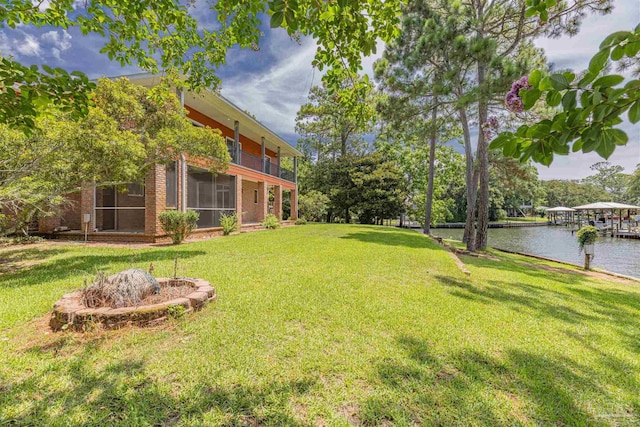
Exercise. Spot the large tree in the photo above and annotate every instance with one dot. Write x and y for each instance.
(633, 191)
(571, 193)
(326, 128)
(128, 129)
(610, 179)
(470, 50)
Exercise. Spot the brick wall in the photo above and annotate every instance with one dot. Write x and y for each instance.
(155, 199)
(250, 209)
(239, 198)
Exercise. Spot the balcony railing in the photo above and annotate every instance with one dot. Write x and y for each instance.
(287, 174)
(261, 165)
(250, 161)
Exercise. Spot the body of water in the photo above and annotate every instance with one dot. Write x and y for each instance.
(611, 253)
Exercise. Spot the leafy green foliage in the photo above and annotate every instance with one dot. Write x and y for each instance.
(229, 223)
(633, 191)
(571, 193)
(610, 179)
(326, 127)
(370, 186)
(313, 205)
(271, 222)
(178, 225)
(587, 235)
(592, 107)
(26, 92)
(176, 311)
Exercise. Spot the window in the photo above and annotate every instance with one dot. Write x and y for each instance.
(255, 196)
(210, 195)
(135, 189)
(172, 185)
(119, 210)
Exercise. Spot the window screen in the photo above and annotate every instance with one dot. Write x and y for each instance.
(172, 185)
(210, 195)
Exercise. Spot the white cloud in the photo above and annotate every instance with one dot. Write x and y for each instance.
(276, 94)
(29, 46)
(6, 45)
(58, 42)
(59, 39)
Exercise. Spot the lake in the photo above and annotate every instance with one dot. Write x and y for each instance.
(611, 253)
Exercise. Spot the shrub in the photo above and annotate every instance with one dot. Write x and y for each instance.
(301, 221)
(271, 222)
(587, 236)
(229, 223)
(178, 225)
(313, 205)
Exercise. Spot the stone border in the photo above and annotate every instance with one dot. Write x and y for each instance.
(70, 313)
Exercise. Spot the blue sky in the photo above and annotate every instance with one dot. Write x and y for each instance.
(273, 82)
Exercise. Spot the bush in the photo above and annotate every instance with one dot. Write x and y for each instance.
(587, 236)
(301, 221)
(313, 205)
(229, 223)
(178, 225)
(271, 222)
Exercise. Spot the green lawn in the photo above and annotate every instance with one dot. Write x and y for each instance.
(325, 325)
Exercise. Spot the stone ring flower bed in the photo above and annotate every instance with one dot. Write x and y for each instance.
(71, 313)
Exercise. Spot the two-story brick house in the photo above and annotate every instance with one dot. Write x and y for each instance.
(253, 186)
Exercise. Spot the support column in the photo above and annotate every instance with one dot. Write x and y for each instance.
(155, 199)
(236, 138)
(263, 200)
(295, 170)
(239, 199)
(264, 150)
(87, 194)
(277, 201)
(294, 203)
(279, 170)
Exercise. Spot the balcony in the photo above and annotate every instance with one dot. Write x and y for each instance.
(261, 165)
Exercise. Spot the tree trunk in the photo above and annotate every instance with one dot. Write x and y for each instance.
(483, 166)
(469, 229)
(432, 159)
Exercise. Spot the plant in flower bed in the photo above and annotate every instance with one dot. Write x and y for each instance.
(179, 225)
(229, 223)
(271, 222)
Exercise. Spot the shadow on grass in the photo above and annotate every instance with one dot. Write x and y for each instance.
(84, 391)
(519, 387)
(87, 263)
(391, 237)
(14, 260)
(579, 305)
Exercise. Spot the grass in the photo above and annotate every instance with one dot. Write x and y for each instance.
(526, 219)
(325, 325)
